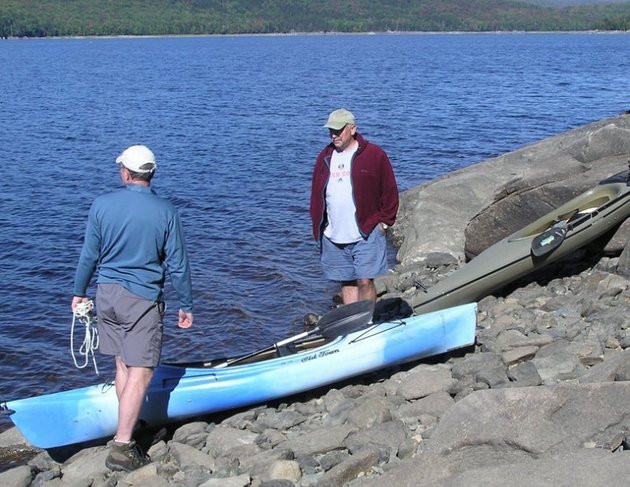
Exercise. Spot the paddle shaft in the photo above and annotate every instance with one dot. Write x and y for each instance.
(337, 322)
(265, 350)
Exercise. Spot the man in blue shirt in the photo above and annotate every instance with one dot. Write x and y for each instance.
(130, 234)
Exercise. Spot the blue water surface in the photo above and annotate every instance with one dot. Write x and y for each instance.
(236, 123)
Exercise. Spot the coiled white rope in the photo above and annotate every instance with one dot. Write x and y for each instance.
(83, 313)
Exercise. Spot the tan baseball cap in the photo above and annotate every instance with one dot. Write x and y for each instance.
(338, 119)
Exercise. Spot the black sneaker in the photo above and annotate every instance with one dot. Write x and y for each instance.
(125, 457)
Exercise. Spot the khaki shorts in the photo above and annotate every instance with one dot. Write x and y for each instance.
(129, 326)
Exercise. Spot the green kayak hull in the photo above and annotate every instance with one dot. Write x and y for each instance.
(546, 240)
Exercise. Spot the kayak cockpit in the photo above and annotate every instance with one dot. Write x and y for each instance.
(577, 211)
(264, 355)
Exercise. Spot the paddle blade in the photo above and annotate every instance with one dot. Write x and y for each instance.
(346, 319)
(550, 240)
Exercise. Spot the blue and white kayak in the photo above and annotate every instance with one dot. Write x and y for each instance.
(182, 391)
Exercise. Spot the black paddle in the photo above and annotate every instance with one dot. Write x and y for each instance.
(337, 322)
(550, 240)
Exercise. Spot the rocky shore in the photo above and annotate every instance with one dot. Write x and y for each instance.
(541, 399)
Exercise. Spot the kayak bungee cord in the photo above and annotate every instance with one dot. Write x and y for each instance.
(364, 335)
(83, 312)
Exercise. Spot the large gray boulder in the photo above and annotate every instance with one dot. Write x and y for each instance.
(543, 436)
(464, 212)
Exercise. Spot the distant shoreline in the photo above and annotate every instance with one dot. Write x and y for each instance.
(304, 34)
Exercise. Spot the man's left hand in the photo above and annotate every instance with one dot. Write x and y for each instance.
(185, 319)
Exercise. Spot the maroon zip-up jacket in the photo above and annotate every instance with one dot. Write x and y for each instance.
(374, 188)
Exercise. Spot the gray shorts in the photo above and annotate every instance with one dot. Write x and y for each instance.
(129, 326)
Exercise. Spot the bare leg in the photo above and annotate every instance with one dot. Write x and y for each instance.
(353, 291)
(121, 378)
(366, 289)
(131, 387)
(349, 292)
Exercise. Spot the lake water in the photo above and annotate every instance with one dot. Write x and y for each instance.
(236, 123)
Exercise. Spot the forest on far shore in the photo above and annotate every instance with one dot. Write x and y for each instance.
(47, 18)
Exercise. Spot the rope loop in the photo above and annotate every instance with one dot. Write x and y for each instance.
(83, 312)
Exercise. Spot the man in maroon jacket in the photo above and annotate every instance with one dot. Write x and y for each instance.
(354, 198)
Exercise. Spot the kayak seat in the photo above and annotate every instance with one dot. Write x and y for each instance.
(285, 350)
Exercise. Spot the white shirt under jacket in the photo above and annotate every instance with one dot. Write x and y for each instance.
(342, 224)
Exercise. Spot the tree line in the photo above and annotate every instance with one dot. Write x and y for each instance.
(46, 18)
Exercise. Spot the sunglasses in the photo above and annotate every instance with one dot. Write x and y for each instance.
(337, 132)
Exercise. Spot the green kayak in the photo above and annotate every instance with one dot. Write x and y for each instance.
(546, 240)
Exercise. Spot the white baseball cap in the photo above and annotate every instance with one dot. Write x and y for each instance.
(138, 158)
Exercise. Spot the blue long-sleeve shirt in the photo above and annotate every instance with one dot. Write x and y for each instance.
(130, 234)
